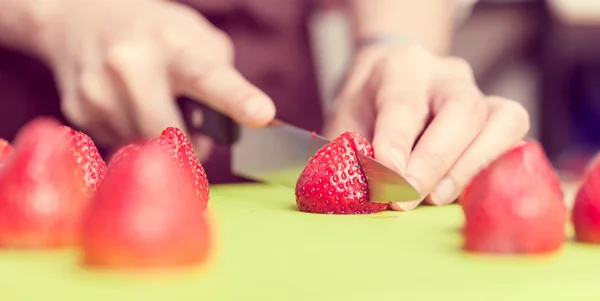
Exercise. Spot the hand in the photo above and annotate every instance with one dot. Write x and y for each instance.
(120, 65)
(426, 117)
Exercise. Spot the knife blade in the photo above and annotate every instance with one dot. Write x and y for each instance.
(278, 153)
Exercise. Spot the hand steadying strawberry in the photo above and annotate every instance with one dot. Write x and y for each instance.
(586, 209)
(42, 194)
(146, 213)
(515, 205)
(333, 182)
(91, 165)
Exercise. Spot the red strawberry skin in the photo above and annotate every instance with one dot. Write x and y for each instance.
(515, 205)
(42, 196)
(586, 209)
(145, 214)
(92, 166)
(529, 156)
(333, 182)
(179, 147)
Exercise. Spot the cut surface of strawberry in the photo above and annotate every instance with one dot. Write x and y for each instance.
(515, 205)
(333, 181)
(145, 214)
(42, 196)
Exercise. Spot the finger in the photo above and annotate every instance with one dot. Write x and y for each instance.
(76, 110)
(460, 115)
(507, 124)
(352, 113)
(402, 113)
(219, 85)
(106, 104)
(142, 75)
(203, 146)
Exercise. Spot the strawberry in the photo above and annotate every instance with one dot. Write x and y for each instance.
(586, 209)
(531, 156)
(5, 150)
(179, 147)
(333, 181)
(92, 166)
(145, 214)
(515, 205)
(41, 194)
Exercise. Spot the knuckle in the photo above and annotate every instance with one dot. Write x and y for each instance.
(223, 44)
(478, 109)
(459, 66)
(392, 96)
(434, 160)
(122, 54)
(514, 114)
(71, 109)
(412, 51)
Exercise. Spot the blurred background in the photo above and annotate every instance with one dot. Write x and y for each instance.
(545, 54)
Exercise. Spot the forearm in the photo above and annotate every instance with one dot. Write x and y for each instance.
(22, 23)
(429, 22)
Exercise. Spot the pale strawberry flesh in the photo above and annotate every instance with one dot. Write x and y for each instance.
(333, 182)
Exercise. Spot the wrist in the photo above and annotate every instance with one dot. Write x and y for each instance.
(23, 23)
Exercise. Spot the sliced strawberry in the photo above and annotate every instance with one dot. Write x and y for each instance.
(515, 205)
(145, 214)
(42, 195)
(92, 166)
(528, 156)
(180, 148)
(586, 209)
(333, 182)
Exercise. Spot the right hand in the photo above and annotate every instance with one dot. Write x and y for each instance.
(120, 65)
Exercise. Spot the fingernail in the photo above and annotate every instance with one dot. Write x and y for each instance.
(254, 107)
(405, 206)
(444, 192)
(398, 159)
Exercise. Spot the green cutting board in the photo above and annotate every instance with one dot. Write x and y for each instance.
(270, 251)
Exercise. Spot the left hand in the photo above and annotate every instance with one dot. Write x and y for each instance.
(426, 118)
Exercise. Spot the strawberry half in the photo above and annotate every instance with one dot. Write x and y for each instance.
(91, 165)
(515, 205)
(145, 214)
(179, 147)
(42, 195)
(586, 209)
(530, 156)
(333, 182)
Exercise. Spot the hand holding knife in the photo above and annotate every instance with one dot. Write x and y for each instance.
(278, 153)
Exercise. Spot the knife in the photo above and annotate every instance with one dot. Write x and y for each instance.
(277, 153)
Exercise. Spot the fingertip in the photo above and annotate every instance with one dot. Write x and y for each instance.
(405, 206)
(203, 146)
(258, 111)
